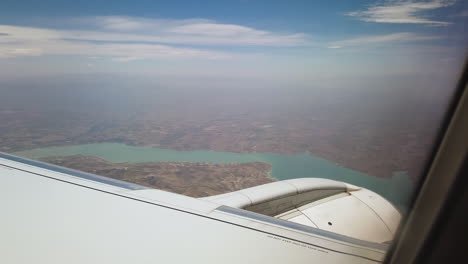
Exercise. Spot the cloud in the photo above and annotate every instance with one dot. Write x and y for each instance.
(122, 23)
(408, 12)
(12, 51)
(129, 38)
(23, 41)
(192, 31)
(183, 31)
(381, 39)
(124, 59)
(126, 23)
(211, 29)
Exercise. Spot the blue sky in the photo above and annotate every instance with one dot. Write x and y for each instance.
(286, 40)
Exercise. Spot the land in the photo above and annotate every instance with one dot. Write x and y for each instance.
(187, 178)
(376, 148)
(375, 131)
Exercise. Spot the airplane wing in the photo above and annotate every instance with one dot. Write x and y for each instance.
(52, 214)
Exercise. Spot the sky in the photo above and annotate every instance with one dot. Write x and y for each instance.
(285, 41)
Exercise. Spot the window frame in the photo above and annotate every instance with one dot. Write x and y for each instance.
(432, 197)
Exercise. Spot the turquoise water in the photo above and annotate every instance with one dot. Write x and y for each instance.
(396, 189)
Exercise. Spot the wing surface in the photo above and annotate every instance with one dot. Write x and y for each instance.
(52, 214)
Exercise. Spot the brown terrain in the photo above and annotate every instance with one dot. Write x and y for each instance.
(192, 179)
(375, 131)
(373, 148)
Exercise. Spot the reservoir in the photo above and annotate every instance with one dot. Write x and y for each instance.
(396, 189)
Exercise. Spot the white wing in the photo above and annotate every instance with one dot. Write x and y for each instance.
(52, 214)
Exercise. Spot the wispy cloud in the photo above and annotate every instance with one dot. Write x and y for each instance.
(14, 51)
(128, 38)
(195, 31)
(134, 24)
(381, 39)
(23, 41)
(185, 31)
(333, 46)
(409, 12)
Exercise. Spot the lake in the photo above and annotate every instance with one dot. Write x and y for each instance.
(396, 189)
